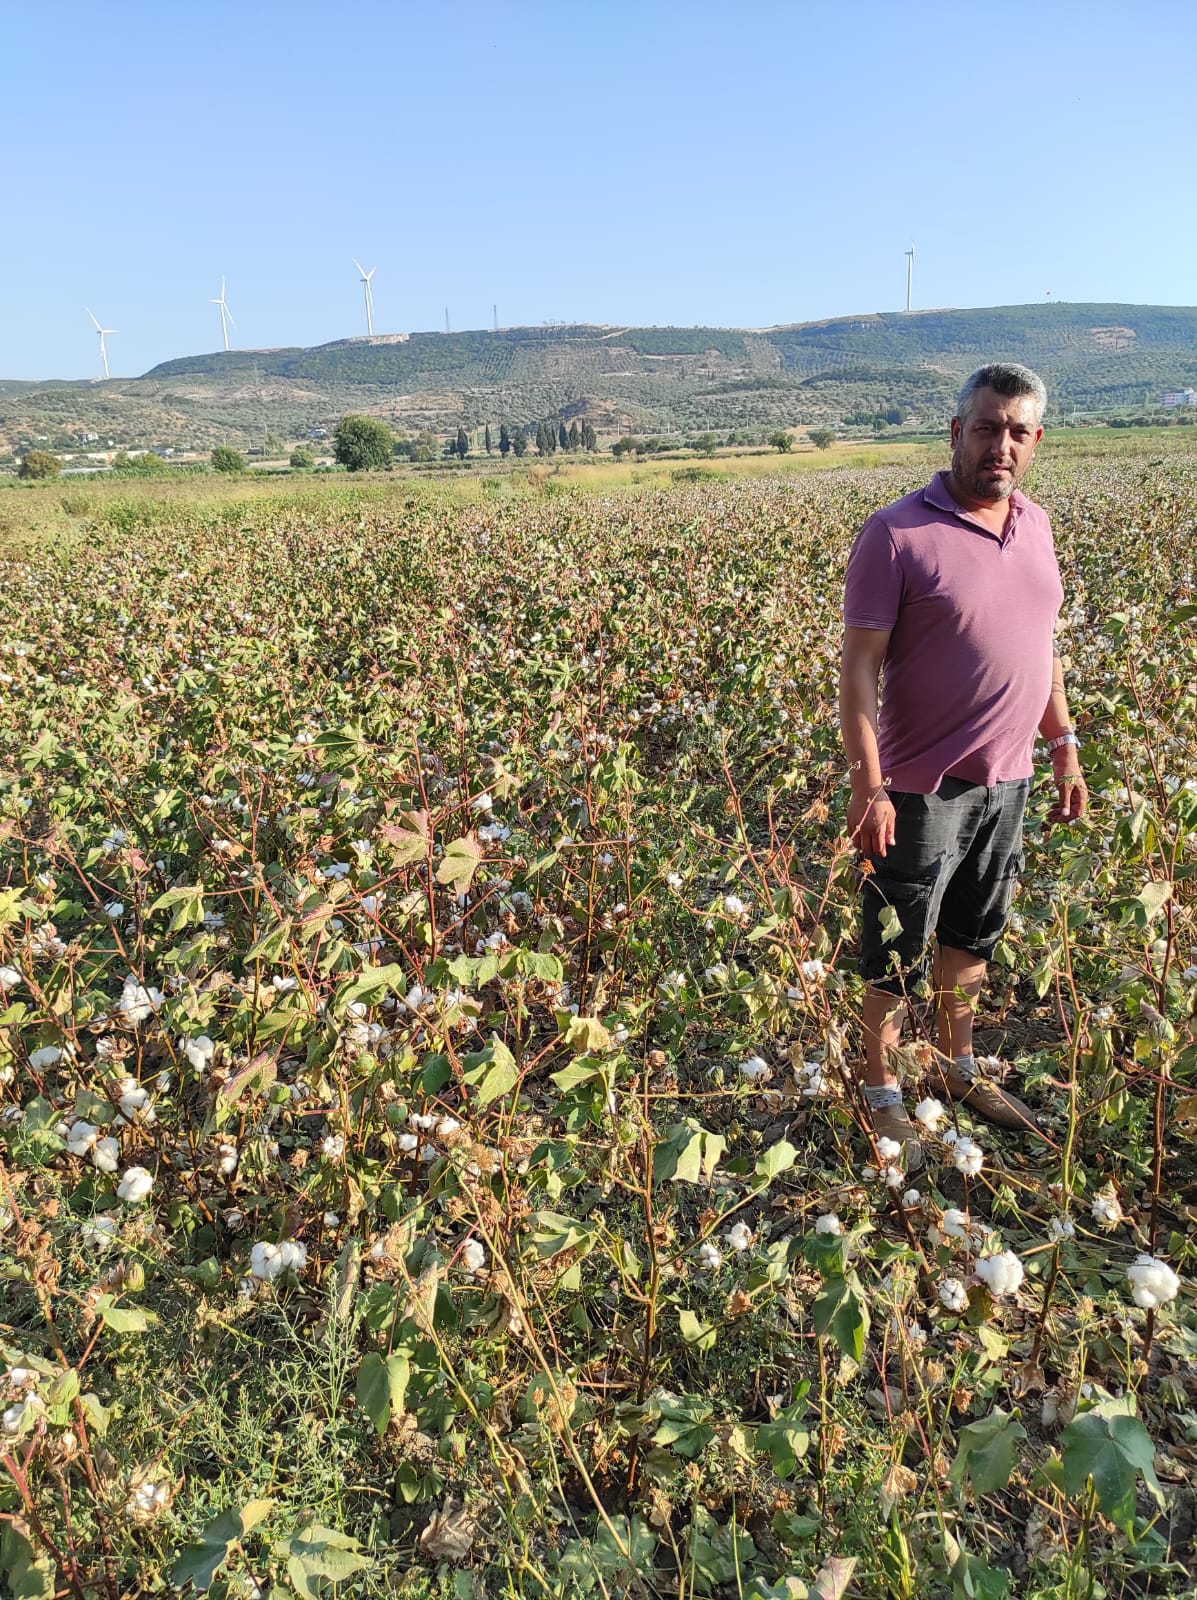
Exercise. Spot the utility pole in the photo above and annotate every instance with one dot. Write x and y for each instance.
(495, 309)
(909, 277)
(446, 319)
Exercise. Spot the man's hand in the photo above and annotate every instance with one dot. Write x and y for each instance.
(1072, 793)
(871, 822)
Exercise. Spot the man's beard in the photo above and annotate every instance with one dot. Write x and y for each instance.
(982, 482)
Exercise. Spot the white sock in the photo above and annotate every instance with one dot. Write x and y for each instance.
(880, 1096)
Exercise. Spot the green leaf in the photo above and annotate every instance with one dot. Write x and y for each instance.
(687, 1154)
(316, 1556)
(697, 1335)
(786, 1440)
(779, 1157)
(273, 945)
(1153, 897)
(584, 1035)
(552, 1233)
(26, 1574)
(199, 1563)
(638, 1543)
(122, 1319)
(891, 925)
(186, 906)
(460, 863)
(1113, 1448)
(381, 1386)
(492, 1072)
(986, 1454)
(840, 1309)
(371, 985)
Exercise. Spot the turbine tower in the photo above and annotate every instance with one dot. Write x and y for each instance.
(102, 332)
(366, 276)
(909, 276)
(226, 316)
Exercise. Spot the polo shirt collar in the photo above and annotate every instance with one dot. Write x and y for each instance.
(938, 494)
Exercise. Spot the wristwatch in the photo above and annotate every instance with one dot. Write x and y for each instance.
(1065, 738)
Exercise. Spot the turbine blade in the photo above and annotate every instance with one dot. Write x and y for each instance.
(358, 265)
(91, 314)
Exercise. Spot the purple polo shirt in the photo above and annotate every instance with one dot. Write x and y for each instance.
(967, 673)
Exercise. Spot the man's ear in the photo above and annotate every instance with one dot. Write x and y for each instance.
(955, 431)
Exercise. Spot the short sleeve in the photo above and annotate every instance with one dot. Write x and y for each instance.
(874, 582)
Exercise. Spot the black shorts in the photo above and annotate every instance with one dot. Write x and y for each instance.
(951, 872)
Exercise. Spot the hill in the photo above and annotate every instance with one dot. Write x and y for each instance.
(1095, 359)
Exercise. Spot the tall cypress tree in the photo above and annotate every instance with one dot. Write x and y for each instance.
(489, 451)
(575, 438)
(504, 439)
(463, 444)
(563, 437)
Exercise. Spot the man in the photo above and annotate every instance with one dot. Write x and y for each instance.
(951, 599)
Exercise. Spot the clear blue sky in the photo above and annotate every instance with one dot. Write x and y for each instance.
(626, 161)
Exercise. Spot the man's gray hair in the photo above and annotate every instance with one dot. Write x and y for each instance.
(1006, 378)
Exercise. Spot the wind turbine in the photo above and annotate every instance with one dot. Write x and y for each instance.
(909, 275)
(226, 316)
(102, 332)
(366, 276)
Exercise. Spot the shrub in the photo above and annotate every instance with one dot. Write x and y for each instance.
(40, 464)
(226, 459)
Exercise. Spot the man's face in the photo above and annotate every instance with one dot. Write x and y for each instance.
(994, 445)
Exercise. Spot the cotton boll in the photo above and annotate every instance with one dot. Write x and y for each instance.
(81, 1136)
(265, 1261)
(407, 1143)
(9, 978)
(39, 1060)
(106, 1154)
(888, 1149)
(829, 1223)
(930, 1112)
(739, 1236)
(1106, 1210)
(293, 1255)
(954, 1223)
(473, 1256)
(709, 1257)
(1153, 1282)
(199, 1052)
(755, 1070)
(953, 1296)
(968, 1157)
(134, 1186)
(1001, 1273)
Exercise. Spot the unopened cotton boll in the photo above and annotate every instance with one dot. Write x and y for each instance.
(134, 1186)
(739, 1236)
(1153, 1282)
(1001, 1273)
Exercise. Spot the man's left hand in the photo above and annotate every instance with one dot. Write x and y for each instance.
(1071, 790)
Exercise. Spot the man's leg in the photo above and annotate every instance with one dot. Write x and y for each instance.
(881, 1016)
(958, 977)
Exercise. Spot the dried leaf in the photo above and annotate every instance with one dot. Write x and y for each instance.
(449, 1534)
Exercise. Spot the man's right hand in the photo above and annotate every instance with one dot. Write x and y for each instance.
(872, 823)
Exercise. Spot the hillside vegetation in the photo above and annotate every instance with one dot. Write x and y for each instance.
(1095, 358)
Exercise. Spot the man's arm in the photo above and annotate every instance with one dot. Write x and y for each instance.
(1071, 790)
(871, 817)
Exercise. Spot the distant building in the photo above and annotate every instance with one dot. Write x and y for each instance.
(1179, 397)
